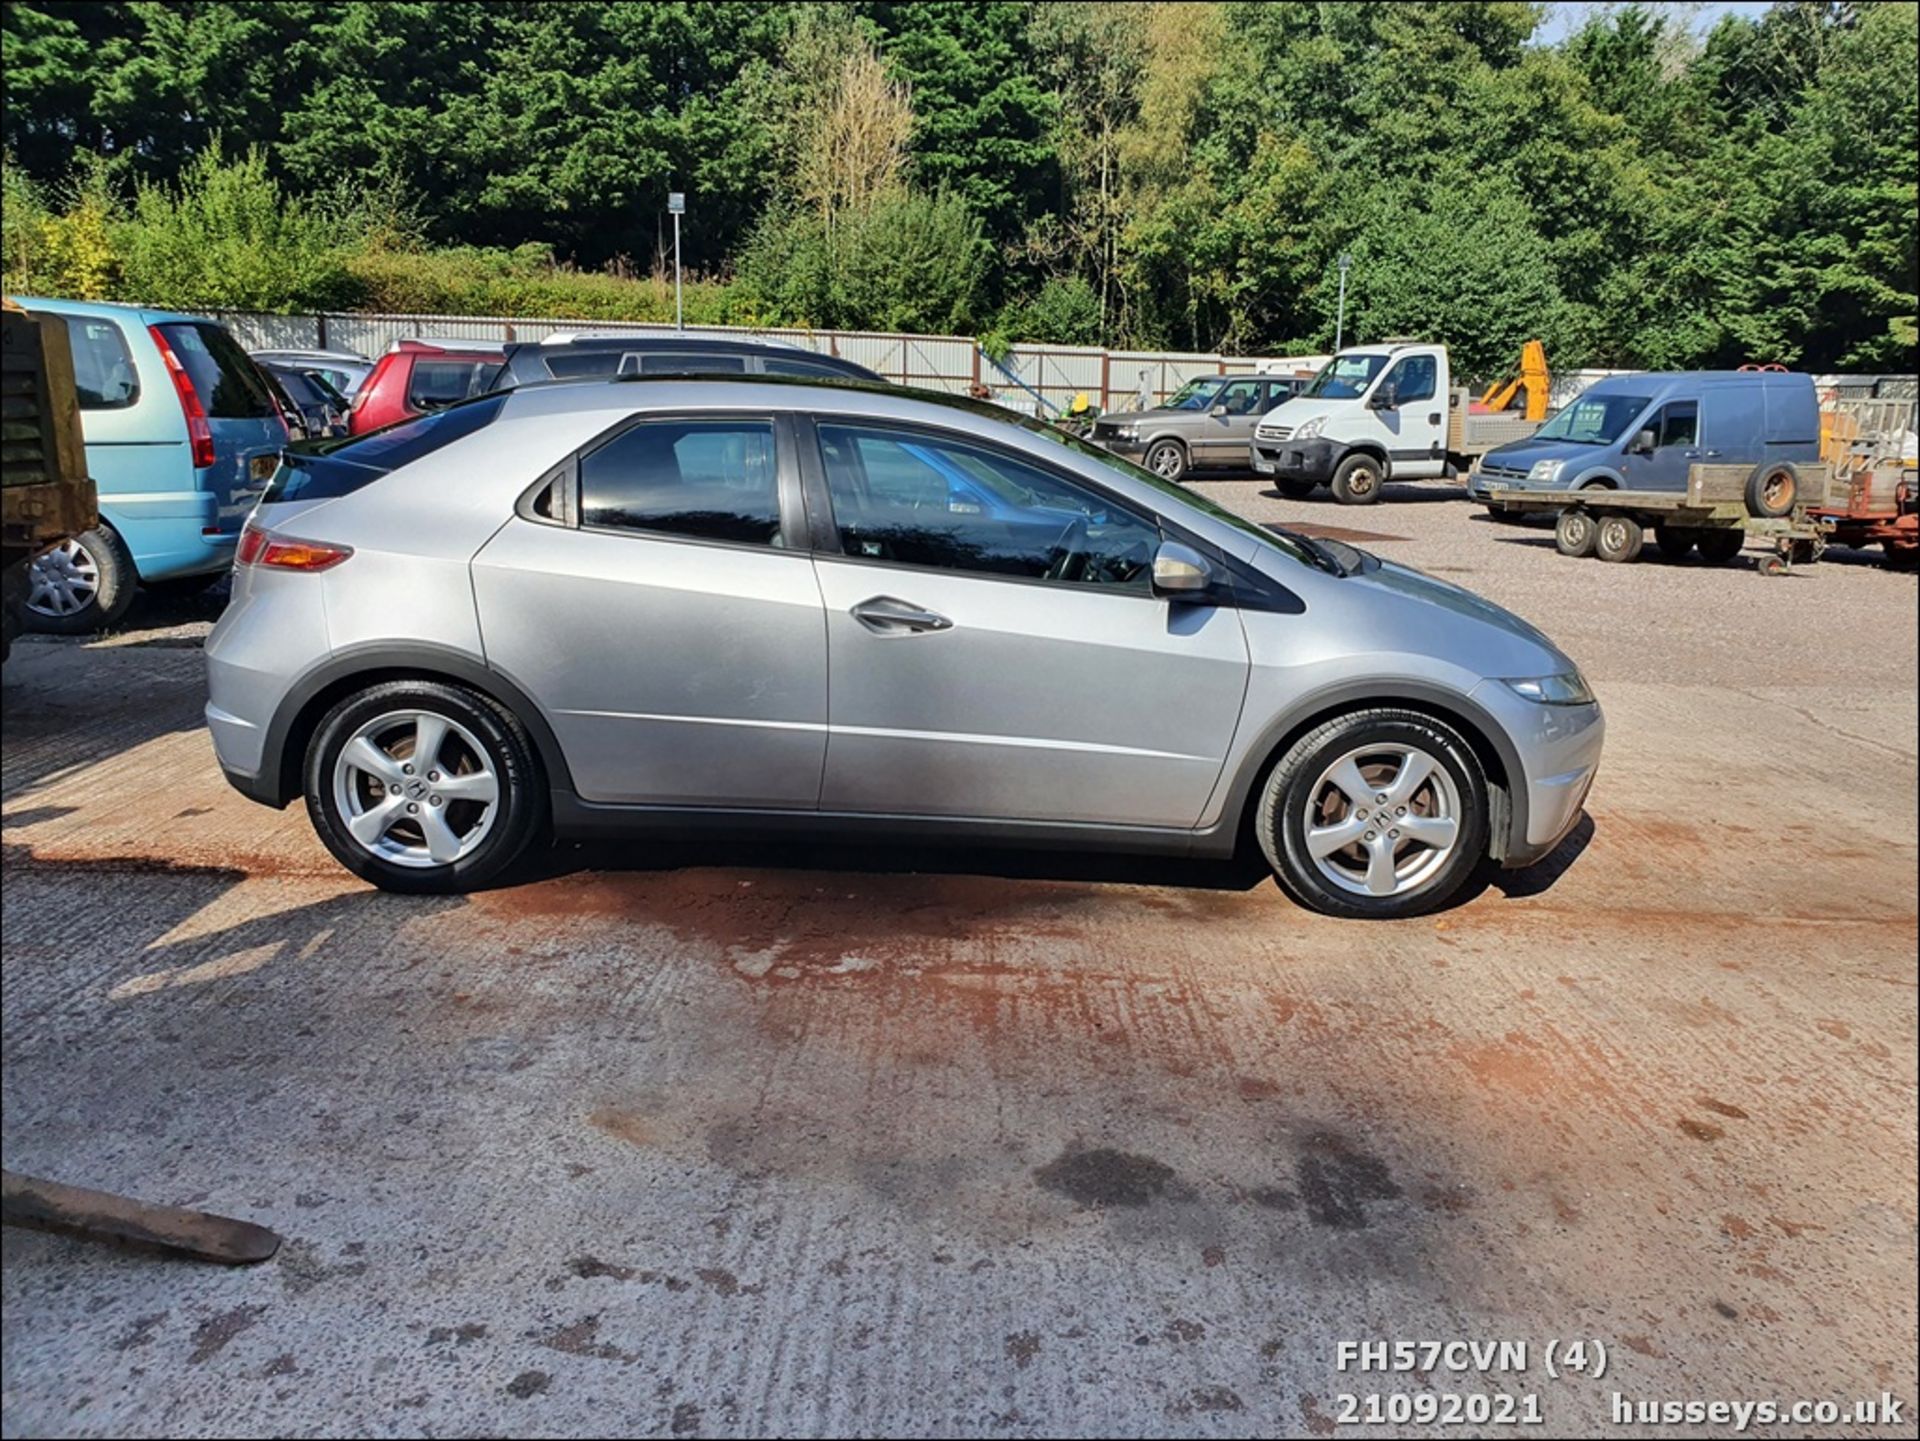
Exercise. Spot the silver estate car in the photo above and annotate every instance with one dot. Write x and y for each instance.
(654, 605)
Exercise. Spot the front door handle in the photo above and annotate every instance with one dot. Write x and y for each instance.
(884, 615)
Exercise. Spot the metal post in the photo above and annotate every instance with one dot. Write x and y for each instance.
(1340, 322)
(676, 204)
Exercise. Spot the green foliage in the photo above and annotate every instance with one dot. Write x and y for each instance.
(1140, 173)
(1062, 312)
(226, 237)
(910, 262)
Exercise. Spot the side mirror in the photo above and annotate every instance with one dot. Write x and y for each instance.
(1387, 397)
(1218, 410)
(1181, 573)
(1642, 444)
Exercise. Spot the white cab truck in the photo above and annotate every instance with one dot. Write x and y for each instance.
(1376, 413)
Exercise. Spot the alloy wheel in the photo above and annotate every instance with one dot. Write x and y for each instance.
(416, 788)
(1383, 819)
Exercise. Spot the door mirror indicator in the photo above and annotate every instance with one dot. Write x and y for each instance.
(1181, 573)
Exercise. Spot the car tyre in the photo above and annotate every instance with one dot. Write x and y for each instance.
(1772, 491)
(1573, 533)
(81, 585)
(1721, 544)
(1358, 479)
(1618, 538)
(1167, 459)
(1296, 488)
(476, 740)
(1675, 542)
(1375, 741)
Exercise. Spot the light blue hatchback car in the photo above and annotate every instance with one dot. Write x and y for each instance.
(182, 433)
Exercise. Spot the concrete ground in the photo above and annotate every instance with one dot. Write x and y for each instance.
(830, 1141)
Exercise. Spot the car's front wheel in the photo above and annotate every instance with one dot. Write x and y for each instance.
(1375, 815)
(423, 787)
(1167, 459)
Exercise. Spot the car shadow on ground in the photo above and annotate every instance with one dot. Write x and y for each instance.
(1392, 493)
(1245, 871)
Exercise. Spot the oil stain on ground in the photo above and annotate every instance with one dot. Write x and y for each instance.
(1104, 1177)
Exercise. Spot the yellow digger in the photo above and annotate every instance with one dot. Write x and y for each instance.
(1533, 380)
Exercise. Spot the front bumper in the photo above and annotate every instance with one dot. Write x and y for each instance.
(1559, 749)
(1123, 446)
(1295, 459)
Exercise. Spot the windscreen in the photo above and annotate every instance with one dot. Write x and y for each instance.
(1593, 419)
(1345, 377)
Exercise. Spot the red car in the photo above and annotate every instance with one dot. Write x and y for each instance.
(416, 376)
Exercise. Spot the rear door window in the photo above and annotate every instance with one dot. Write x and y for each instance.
(229, 384)
(103, 373)
(703, 479)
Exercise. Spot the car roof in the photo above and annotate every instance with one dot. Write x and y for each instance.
(662, 334)
(1638, 382)
(107, 310)
(428, 344)
(345, 357)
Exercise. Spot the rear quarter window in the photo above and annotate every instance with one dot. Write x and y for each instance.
(103, 373)
(229, 384)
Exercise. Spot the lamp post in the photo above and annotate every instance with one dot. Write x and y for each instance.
(676, 207)
(1340, 322)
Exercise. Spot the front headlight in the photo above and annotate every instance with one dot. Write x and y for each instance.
(1126, 432)
(1546, 472)
(1567, 688)
(1310, 428)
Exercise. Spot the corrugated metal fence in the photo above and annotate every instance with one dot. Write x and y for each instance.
(1053, 375)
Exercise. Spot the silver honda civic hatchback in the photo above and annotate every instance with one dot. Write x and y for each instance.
(627, 606)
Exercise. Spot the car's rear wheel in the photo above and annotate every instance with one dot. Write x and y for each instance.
(1675, 542)
(1618, 538)
(81, 585)
(423, 787)
(1167, 459)
(1375, 815)
(1721, 544)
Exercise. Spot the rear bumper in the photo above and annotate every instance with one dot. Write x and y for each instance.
(1295, 459)
(171, 533)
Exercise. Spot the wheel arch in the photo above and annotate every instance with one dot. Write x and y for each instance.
(1498, 757)
(293, 724)
(1597, 480)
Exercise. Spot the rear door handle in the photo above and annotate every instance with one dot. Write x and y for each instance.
(884, 615)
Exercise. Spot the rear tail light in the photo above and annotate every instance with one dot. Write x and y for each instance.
(259, 546)
(199, 433)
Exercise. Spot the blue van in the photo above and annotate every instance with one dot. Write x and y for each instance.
(182, 433)
(1644, 432)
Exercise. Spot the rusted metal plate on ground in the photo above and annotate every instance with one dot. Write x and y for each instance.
(31, 1201)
